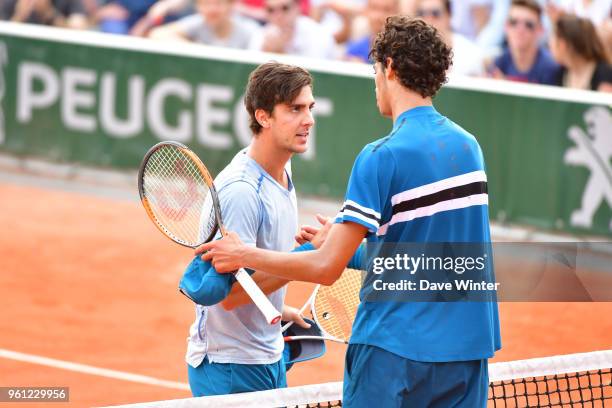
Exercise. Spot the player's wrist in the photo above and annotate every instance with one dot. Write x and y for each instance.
(246, 254)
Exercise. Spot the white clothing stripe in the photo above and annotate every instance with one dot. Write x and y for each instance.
(455, 204)
(432, 188)
(362, 208)
(371, 222)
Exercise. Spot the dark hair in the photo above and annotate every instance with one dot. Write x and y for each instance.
(532, 5)
(270, 84)
(581, 36)
(420, 56)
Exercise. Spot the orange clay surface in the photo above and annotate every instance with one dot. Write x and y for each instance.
(90, 280)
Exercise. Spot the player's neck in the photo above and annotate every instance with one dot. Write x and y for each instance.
(405, 100)
(271, 160)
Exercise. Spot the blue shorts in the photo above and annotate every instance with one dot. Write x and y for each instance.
(374, 377)
(228, 378)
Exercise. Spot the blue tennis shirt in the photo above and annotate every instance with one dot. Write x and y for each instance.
(424, 182)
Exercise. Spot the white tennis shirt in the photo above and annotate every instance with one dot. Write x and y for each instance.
(264, 214)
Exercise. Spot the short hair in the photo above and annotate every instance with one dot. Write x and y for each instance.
(420, 57)
(270, 84)
(532, 5)
(581, 36)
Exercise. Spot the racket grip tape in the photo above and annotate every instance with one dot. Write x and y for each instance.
(259, 298)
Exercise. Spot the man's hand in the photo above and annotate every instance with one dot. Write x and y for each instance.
(224, 254)
(316, 236)
(292, 314)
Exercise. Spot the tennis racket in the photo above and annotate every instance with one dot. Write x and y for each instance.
(333, 308)
(179, 196)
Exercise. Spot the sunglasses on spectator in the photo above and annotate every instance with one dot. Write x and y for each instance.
(528, 24)
(435, 13)
(283, 7)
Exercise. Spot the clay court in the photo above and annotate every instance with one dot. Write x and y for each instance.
(87, 279)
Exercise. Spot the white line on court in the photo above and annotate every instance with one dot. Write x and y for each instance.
(86, 369)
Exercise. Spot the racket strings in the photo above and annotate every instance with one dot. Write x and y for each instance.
(336, 305)
(178, 195)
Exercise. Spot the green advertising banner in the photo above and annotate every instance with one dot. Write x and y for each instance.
(100, 100)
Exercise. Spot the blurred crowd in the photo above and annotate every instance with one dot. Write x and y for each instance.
(555, 42)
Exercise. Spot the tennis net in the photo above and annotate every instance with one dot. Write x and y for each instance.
(575, 380)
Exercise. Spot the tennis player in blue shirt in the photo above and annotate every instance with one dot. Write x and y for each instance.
(424, 182)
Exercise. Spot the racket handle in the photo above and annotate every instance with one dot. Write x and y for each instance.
(259, 298)
(294, 338)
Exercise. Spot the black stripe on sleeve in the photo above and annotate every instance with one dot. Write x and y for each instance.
(478, 187)
(357, 210)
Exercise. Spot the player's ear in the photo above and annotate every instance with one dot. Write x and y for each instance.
(262, 118)
(389, 71)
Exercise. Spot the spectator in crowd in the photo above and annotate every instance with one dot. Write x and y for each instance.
(121, 16)
(288, 32)
(467, 57)
(526, 59)
(598, 11)
(215, 24)
(59, 13)
(376, 12)
(337, 16)
(471, 16)
(256, 9)
(576, 45)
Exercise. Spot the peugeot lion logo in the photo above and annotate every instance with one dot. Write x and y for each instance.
(592, 150)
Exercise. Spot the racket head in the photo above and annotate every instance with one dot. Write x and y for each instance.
(334, 307)
(178, 194)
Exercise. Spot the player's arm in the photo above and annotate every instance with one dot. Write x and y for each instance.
(368, 185)
(205, 286)
(323, 265)
(266, 282)
(316, 236)
(270, 283)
